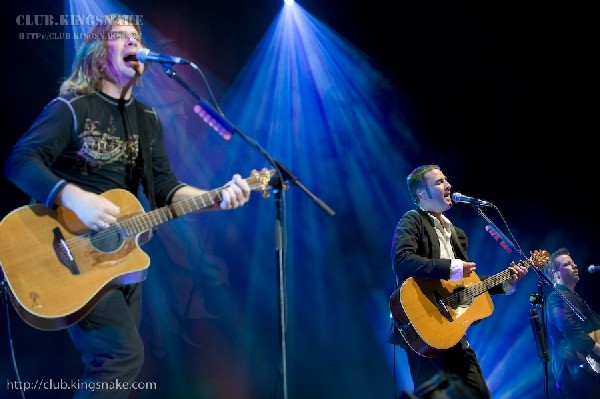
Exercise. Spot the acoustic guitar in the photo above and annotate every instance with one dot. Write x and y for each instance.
(433, 315)
(57, 269)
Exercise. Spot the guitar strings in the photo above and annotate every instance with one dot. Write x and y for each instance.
(466, 295)
(457, 298)
(145, 222)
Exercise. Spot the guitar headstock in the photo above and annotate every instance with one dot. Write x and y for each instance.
(539, 257)
(261, 180)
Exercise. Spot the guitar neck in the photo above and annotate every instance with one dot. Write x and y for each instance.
(147, 221)
(485, 285)
(258, 180)
(488, 283)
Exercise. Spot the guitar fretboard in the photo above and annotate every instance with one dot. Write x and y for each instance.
(474, 290)
(207, 200)
(147, 221)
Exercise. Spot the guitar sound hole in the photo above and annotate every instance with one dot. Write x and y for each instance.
(107, 240)
(463, 296)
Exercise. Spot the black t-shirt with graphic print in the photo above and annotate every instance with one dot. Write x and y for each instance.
(93, 142)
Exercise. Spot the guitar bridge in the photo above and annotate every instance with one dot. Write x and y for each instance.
(62, 251)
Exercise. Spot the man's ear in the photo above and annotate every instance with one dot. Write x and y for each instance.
(421, 194)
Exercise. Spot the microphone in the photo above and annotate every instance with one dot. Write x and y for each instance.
(144, 55)
(593, 269)
(458, 197)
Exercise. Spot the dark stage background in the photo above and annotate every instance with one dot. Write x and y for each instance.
(499, 94)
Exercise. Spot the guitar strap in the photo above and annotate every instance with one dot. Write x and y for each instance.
(145, 133)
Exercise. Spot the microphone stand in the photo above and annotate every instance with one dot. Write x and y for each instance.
(541, 333)
(221, 125)
(539, 330)
(542, 278)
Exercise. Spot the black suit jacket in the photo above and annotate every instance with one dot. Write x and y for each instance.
(568, 337)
